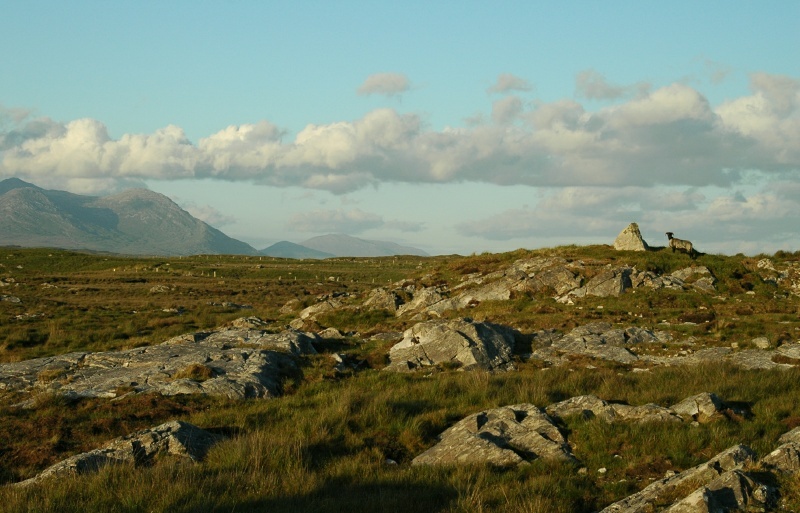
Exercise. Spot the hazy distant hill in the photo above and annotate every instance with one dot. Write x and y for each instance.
(286, 249)
(345, 245)
(135, 222)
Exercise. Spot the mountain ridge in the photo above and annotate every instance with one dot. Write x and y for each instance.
(144, 222)
(135, 221)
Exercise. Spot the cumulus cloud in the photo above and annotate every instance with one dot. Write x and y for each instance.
(387, 84)
(715, 223)
(669, 136)
(335, 221)
(507, 109)
(506, 82)
(593, 85)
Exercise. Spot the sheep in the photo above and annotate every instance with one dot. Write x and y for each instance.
(681, 245)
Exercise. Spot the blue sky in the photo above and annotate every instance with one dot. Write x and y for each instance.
(455, 127)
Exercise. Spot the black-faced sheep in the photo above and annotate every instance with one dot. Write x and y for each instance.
(680, 245)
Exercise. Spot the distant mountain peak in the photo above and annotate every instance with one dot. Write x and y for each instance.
(14, 183)
(135, 222)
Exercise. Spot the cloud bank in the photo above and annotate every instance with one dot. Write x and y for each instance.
(668, 136)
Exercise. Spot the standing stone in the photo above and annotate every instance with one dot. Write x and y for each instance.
(630, 239)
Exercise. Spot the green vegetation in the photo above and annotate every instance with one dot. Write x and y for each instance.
(326, 445)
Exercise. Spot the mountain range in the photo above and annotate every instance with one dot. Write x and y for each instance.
(338, 245)
(143, 222)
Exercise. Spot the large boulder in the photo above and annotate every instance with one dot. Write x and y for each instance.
(630, 239)
(506, 436)
(463, 343)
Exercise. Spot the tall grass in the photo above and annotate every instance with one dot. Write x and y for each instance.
(345, 442)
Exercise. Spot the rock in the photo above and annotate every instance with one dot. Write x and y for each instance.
(761, 342)
(290, 306)
(590, 406)
(290, 340)
(470, 345)
(421, 300)
(176, 438)
(790, 436)
(784, 459)
(645, 413)
(689, 276)
(331, 333)
(235, 363)
(732, 491)
(700, 407)
(251, 323)
(611, 282)
(506, 436)
(600, 340)
(325, 306)
(643, 501)
(382, 299)
(560, 279)
(630, 239)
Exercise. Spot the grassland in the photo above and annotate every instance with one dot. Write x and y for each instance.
(325, 445)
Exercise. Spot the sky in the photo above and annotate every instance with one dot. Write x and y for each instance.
(450, 126)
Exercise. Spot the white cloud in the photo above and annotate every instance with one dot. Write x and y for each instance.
(334, 221)
(507, 82)
(593, 85)
(723, 223)
(506, 110)
(670, 136)
(387, 84)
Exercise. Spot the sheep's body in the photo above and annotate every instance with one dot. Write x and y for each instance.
(680, 245)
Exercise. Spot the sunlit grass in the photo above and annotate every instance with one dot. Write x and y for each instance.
(337, 442)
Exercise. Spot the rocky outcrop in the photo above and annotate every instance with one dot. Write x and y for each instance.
(630, 239)
(732, 481)
(382, 299)
(596, 340)
(701, 407)
(590, 406)
(645, 500)
(231, 362)
(463, 343)
(506, 436)
(518, 434)
(176, 438)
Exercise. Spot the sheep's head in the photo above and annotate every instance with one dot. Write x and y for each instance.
(669, 235)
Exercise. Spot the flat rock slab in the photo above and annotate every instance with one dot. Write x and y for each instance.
(506, 436)
(228, 362)
(465, 343)
(590, 406)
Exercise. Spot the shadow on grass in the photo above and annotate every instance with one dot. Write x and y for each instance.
(338, 496)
